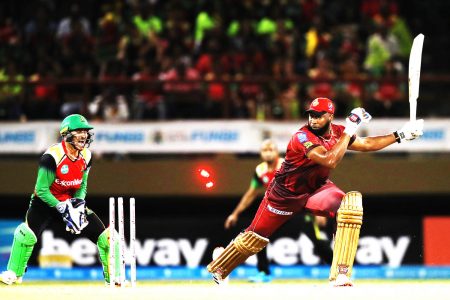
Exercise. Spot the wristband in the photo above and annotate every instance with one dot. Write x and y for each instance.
(397, 137)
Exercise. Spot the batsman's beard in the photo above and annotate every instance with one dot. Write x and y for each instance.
(320, 131)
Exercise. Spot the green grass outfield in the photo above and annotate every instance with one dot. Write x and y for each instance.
(199, 290)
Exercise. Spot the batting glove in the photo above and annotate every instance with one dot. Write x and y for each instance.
(354, 120)
(410, 131)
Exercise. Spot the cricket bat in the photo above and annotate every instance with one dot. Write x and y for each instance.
(415, 60)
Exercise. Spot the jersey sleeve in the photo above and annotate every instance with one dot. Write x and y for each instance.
(256, 182)
(304, 141)
(46, 176)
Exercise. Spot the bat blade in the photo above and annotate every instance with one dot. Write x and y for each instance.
(415, 61)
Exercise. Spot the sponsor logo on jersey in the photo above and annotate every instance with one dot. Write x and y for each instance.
(279, 212)
(68, 183)
(302, 137)
(308, 144)
(65, 169)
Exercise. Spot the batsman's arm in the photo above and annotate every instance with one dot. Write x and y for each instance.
(373, 143)
(45, 178)
(330, 158)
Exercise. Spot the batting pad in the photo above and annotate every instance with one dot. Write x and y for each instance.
(243, 246)
(21, 249)
(349, 221)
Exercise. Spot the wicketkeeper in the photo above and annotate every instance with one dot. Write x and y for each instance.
(59, 194)
(302, 184)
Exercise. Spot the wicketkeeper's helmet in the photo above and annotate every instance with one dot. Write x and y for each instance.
(74, 122)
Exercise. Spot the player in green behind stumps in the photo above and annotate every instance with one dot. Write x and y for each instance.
(59, 194)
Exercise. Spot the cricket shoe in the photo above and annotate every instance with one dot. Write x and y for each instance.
(9, 277)
(261, 277)
(119, 284)
(217, 276)
(342, 280)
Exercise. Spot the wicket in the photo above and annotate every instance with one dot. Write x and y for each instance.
(121, 241)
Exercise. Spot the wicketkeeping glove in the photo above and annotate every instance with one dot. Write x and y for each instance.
(73, 212)
(410, 131)
(354, 120)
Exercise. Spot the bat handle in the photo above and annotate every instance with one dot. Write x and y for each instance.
(412, 110)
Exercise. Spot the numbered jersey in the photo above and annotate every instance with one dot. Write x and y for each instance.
(263, 174)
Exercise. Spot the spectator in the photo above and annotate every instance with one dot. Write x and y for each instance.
(108, 37)
(44, 102)
(148, 101)
(381, 46)
(11, 94)
(65, 26)
(40, 36)
(388, 97)
(147, 22)
(322, 74)
(182, 96)
(109, 106)
(286, 105)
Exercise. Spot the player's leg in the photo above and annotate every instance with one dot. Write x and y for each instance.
(349, 221)
(99, 235)
(25, 237)
(315, 233)
(21, 249)
(328, 201)
(242, 247)
(263, 268)
(254, 239)
(263, 261)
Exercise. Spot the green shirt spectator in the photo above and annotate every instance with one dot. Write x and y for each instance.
(203, 23)
(151, 24)
(13, 89)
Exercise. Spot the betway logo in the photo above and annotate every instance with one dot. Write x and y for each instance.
(284, 251)
(69, 183)
(163, 252)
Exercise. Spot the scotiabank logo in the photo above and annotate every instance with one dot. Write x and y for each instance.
(68, 183)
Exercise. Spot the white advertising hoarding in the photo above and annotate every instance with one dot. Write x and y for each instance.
(203, 136)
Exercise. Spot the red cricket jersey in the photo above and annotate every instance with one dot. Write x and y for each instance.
(68, 173)
(298, 174)
(263, 176)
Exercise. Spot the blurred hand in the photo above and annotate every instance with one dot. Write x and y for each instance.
(320, 221)
(231, 221)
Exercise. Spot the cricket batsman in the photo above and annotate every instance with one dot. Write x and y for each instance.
(59, 194)
(302, 184)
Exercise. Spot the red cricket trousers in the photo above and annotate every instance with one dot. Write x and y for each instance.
(275, 209)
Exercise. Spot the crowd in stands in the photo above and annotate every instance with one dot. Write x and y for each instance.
(178, 59)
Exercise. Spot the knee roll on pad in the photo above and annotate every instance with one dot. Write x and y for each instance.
(103, 239)
(243, 246)
(349, 221)
(25, 235)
